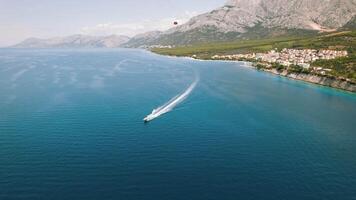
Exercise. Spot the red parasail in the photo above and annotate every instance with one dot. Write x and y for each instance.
(175, 23)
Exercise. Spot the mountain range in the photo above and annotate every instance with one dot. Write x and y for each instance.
(75, 41)
(237, 19)
(241, 19)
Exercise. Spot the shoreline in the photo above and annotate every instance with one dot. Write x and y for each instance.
(307, 78)
(317, 80)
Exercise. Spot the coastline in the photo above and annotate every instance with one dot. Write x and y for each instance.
(308, 78)
(315, 79)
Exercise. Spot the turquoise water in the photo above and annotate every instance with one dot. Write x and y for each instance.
(71, 128)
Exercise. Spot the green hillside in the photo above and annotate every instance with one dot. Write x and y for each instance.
(345, 40)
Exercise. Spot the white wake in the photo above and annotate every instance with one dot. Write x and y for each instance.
(171, 104)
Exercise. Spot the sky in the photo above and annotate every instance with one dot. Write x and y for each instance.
(21, 19)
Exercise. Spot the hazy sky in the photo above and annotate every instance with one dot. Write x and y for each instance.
(20, 19)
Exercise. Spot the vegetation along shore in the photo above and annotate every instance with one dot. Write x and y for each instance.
(327, 59)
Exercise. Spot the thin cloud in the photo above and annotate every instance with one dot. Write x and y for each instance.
(131, 29)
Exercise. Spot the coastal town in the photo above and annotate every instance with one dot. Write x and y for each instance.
(289, 57)
(157, 46)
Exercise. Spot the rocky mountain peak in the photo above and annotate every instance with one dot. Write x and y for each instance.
(237, 15)
(256, 19)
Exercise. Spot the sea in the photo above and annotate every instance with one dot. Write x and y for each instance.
(71, 127)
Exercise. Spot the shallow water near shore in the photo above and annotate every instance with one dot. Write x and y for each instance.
(71, 127)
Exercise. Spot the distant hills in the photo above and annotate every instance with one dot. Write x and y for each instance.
(75, 41)
(236, 20)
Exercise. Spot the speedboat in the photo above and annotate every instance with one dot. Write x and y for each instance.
(147, 119)
(151, 116)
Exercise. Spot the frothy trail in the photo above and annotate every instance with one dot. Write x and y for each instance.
(171, 104)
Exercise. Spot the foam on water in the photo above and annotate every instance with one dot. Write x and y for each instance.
(171, 104)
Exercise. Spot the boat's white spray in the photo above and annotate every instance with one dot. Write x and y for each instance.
(171, 104)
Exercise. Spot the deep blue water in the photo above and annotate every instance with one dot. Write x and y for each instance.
(71, 128)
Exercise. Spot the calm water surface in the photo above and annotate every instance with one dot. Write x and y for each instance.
(71, 128)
